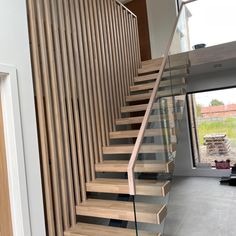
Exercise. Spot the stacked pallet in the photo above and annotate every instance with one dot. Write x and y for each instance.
(217, 144)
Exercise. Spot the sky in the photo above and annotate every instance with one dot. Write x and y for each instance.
(213, 21)
(227, 96)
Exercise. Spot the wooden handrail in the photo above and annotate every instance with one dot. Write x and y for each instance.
(127, 9)
(138, 143)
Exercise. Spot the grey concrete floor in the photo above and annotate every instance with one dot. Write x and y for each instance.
(201, 207)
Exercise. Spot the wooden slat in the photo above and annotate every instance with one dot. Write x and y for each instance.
(35, 55)
(105, 66)
(137, 43)
(50, 124)
(109, 68)
(93, 84)
(115, 61)
(112, 55)
(121, 210)
(147, 166)
(132, 39)
(128, 45)
(82, 69)
(93, 149)
(101, 67)
(126, 149)
(66, 183)
(135, 46)
(120, 186)
(114, 28)
(82, 93)
(121, 50)
(83, 229)
(97, 78)
(124, 50)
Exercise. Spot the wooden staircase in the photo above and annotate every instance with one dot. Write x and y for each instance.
(117, 155)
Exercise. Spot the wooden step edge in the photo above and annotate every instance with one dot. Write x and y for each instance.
(162, 214)
(122, 210)
(134, 133)
(164, 93)
(165, 83)
(143, 107)
(152, 61)
(130, 120)
(149, 69)
(176, 59)
(170, 166)
(143, 187)
(145, 167)
(156, 68)
(166, 188)
(174, 74)
(139, 119)
(84, 229)
(128, 149)
(145, 78)
(143, 87)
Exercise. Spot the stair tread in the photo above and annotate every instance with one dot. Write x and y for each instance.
(141, 107)
(143, 187)
(128, 148)
(134, 108)
(165, 83)
(139, 119)
(175, 65)
(147, 95)
(122, 210)
(84, 229)
(148, 166)
(149, 69)
(156, 61)
(134, 133)
(144, 78)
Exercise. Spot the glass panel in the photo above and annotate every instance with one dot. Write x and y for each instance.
(155, 160)
(205, 23)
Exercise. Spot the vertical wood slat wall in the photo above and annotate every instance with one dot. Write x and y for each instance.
(84, 54)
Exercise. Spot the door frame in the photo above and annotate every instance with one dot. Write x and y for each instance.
(14, 151)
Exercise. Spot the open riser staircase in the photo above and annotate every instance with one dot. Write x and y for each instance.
(154, 166)
(107, 123)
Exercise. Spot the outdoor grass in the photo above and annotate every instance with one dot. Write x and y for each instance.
(227, 126)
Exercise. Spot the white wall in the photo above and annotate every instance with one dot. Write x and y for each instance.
(161, 18)
(14, 50)
(184, 165)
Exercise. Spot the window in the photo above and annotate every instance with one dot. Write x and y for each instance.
(213, 126)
